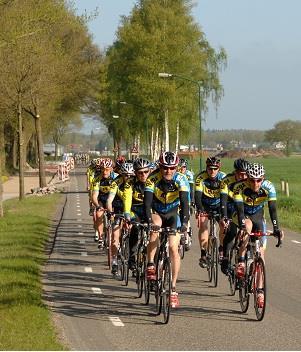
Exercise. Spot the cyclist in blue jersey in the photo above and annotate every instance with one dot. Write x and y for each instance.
(165, 191)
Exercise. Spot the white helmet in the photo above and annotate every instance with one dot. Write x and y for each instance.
(127, 169)
(255, 170)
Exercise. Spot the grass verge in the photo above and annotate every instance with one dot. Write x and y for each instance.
(25, 320)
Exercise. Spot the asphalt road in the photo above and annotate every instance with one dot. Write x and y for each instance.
(94, 311)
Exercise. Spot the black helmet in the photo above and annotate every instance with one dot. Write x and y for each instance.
(213, 161)
(241, 165)
(183, 163)
(140, 163)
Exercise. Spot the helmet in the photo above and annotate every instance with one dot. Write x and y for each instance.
(168, 159)
(141, 164)
(120, 160)
(255, 170)
(213, 161)
(127, 169)
(241, 164)
(98, 163)
(183, 163)
(93, 162)
(106, 163)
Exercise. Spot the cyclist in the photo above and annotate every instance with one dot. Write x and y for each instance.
(165, 191)
(118, 163)
(207, 200)
(250, 197)
(182, 168)
(228, 206)
(133, 203)
(115, 203)
(100, 192)
(90, 175)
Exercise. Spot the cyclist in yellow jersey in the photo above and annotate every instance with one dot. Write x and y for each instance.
(165, 191)
(115, 203)
(100, 193)
(133, 203)
(207, 200)
(228, 207)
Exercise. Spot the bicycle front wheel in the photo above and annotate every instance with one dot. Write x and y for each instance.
(244, 296)
(260, 289)
(231, 272)
(166, 289)
(126, 254)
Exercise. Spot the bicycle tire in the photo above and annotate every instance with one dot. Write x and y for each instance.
(120, 266)
(214, 262)
(244, 296)
(146, 289)
(166, 290)
(140, 271)
(231, 272)
(109, 245)
(259, 268)
(126, 261)
(158, 287)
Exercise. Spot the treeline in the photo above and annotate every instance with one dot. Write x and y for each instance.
(159, 36)
(49, 74)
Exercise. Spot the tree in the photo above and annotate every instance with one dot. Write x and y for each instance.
(287, 132)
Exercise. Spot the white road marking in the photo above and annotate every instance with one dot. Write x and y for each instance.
(116, 321)
(79, 214)
(79, 225)
(84, 254)
(78, 206)
(88, 269)
(96, 290)
(79, 219)
(82, 241)
(296, 241)
(80, 233)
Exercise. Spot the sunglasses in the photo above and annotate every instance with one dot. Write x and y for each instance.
(143, 172)
(256, 180)
(212, 168)
(165, 168)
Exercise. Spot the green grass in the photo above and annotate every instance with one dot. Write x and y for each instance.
(25, 322)
(289, 169)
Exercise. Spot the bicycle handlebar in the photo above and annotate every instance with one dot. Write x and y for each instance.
(268, 233)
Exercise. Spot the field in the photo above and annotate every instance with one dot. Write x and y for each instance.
(288, 169)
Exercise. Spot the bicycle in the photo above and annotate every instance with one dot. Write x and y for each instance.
(143, 238)
(212, 251)
(107, 235)
(162, 284)
(123, 252)
(255, 274)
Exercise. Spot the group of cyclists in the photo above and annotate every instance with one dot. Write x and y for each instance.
(165, 194)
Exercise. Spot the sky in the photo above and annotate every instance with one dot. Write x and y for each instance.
(262, 39)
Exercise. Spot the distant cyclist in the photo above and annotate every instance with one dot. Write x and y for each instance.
(207, 200)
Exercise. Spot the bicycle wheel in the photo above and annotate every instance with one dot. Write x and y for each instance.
(209, 260)
(231, 272)
(166, 289)
(108, 245)
(214, 262)
(126, 260)
(120, 266)
(158, 287)
(140, 271)
(259, 286)
(244, 296)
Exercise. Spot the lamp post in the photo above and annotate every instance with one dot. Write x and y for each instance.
(199, 84)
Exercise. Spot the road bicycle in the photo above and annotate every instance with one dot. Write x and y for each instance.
(212, 251)
(143, 238)
(254, 282)
(123, 252)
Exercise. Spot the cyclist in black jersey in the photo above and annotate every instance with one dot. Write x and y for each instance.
(228, 206)
(207, 200)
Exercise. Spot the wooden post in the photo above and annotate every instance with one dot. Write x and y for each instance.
(287, 192)
(282, 186)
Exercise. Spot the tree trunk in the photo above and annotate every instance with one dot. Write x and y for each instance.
(151, 152)
(156, 146)
(166, 125)
(177, 136)
(56, 151)
(21, 153)
(15, 152)
(42, 175)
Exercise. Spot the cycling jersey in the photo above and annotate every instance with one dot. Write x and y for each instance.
(133, 198)
(164, 196)
(116, 192)
(102, 186)
(207, 191)
(249, 202)
(190, 177)
(91, 170)
(226, 195)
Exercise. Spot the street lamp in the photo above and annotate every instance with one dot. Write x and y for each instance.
(199, 84)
